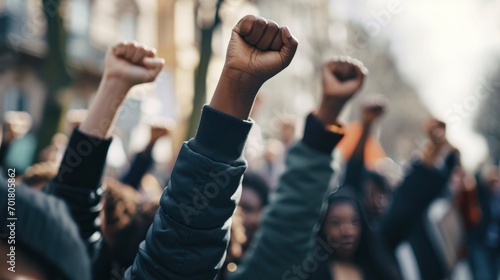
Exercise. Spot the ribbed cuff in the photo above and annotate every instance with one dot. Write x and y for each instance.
(319, 138)
(220, 137)
(83, 161)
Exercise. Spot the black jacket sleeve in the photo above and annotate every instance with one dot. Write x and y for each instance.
(78, 183)
(354, 174)
(141, 163)
(420, 186)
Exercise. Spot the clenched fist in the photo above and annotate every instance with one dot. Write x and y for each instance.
(436, 131)
(125, 65)
(132, 63)
(437, 145)
(258, 49)
(373, 109)
(341, 78)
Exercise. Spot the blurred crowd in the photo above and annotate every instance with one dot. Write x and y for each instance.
(80, 217)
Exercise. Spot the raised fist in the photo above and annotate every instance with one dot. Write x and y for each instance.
(342, 77)
(373, 109)
(132, 63)
(435, 130)
(259, 48)
(437, 145)
(160, 128)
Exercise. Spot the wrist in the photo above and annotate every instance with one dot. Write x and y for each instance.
(104, 108)
(240, 81)
(235, 93)
(329, 110)
(115, 84)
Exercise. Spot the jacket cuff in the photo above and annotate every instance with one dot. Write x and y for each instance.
(220, 137)
(318, 137)
(83, 162)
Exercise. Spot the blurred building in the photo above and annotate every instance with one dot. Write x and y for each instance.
(171, 26)
(90, 26)
(488, 115)
(22, 48)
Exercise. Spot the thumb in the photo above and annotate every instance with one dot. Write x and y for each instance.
(153, 62)
(289, 47)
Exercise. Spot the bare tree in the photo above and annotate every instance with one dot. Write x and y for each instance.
(208, 18)
(56, 74)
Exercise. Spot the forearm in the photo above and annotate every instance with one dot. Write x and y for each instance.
(237, 105)
(85, 156)
(105, 107)
(141, 163)
(359, 150)
(330, 110)
(356, 164)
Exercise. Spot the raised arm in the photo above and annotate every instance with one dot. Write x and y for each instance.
(79, 177)
(189, 236)
(143, 161)
(355, 168)
(424, 181)
(286, 232)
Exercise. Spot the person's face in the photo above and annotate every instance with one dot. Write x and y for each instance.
(375, 200)
(251, 205)
(342, 228)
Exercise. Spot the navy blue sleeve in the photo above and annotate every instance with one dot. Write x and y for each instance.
(190, 233)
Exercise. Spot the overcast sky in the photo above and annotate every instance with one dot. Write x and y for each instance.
(444, 49)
